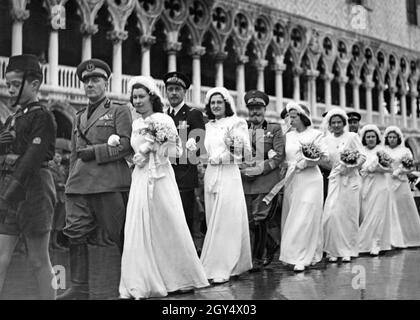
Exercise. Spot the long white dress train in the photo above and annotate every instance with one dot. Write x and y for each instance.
(159, 254)
(405, 226)
(374, 233)
(227, 247)
(301, 242)
(342, 206)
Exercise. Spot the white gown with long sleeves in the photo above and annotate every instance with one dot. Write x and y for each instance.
(342, 206)
(374, 233)
(227, 247)
(301, 242)
(159, 254)
(405, 226)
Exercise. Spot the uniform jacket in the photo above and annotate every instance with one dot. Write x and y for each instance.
(34, 144)
(108, 172)
(271, 173)
(185, 171)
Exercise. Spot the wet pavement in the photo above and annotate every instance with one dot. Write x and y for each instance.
(394, 275)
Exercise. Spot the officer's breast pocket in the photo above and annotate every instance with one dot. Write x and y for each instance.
(105, 129)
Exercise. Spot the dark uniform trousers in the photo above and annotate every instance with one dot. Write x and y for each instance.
(188, 204)
(85, 213)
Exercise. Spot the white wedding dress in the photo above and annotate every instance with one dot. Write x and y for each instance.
(227, 246)
(405, 220)
(374, 233)
(301, 241)
(159, 254)
(342, 206)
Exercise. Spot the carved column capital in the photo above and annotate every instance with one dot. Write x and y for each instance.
(117, 36)
(197, 51)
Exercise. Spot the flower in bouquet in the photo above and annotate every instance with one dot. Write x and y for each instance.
(233, 141)
(350, 157)
(384, 160)
(311, 151)
(407, 162)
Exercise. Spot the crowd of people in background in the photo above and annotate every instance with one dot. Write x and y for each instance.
(194, 200)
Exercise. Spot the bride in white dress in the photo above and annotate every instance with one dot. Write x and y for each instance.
(227, 246)
(159, 254)
(342, 206)
(301, 242)
(374, 235)
(405, 220)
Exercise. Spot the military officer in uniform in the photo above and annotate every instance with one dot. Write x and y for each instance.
(354, 121)
(27, 192)
(263, 173)
(191, 128)
(99, 177)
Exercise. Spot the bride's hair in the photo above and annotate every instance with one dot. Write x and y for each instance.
(157, 104)
(228, 108)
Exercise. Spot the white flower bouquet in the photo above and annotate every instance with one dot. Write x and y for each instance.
(234, 141)
(310, 151)
(384, 161)
(350, 158)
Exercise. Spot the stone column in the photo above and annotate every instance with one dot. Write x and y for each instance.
(18, 16)
(369, 85)
(342, 81)
(381, 102)
(240, 81)
(296, 83)
(260, 65)
(328, 77)
(220, 57)
(311, 77)
(146, 43)
(392, 91)
(88, 31)
(403, 94)
(414, 95)
(279, 67)
(356, 96)
(172, 48)
(53, 58)
(117, 38)
(196, 53)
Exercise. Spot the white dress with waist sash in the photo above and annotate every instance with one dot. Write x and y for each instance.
(159, 255)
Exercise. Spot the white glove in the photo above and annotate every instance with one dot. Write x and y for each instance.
(114, 140)
(271, 154)
(191, 145)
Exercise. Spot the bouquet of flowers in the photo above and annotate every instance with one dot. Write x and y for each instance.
(158, 132)
(154, 132)
(407, 162)
(349, 157)
(310, 151)
(384, 160)
(233, 141)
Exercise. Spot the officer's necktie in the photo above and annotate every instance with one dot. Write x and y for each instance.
(172, 114)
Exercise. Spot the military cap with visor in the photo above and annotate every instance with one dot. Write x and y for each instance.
(93, 68)
(256, 98)
(177, 78)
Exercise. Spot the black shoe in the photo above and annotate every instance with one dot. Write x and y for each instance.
(75, 293)
(270, 255)
(256, 266)
(79, 274)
